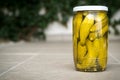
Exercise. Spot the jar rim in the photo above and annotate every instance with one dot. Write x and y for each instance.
(90, 7)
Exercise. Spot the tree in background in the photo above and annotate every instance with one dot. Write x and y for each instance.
(20, 20)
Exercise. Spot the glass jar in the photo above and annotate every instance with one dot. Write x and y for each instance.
(90, 38)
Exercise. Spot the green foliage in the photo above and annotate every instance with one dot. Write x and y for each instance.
(21, 19)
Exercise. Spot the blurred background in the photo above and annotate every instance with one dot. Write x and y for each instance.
(36, 40)
(47, 19)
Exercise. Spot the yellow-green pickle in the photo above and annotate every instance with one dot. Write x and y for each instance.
(90, 38)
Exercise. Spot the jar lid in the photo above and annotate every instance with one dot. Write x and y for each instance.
(84, 8)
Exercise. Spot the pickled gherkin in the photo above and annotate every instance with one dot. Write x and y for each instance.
(75, 49)
(85, 28)
(76, 23)
(90, 40)
(81, 52)
(98, 24)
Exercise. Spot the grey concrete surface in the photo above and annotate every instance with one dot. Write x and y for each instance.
(51, 61)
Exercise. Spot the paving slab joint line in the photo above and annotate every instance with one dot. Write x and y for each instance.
(117, 60)
(13, 67)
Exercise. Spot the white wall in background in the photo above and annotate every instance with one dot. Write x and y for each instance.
(58, 32)
(116, 16)
(56, 28)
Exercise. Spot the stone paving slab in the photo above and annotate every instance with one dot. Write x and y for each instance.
(51, 61)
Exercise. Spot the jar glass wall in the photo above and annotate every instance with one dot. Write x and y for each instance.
(90, 40)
